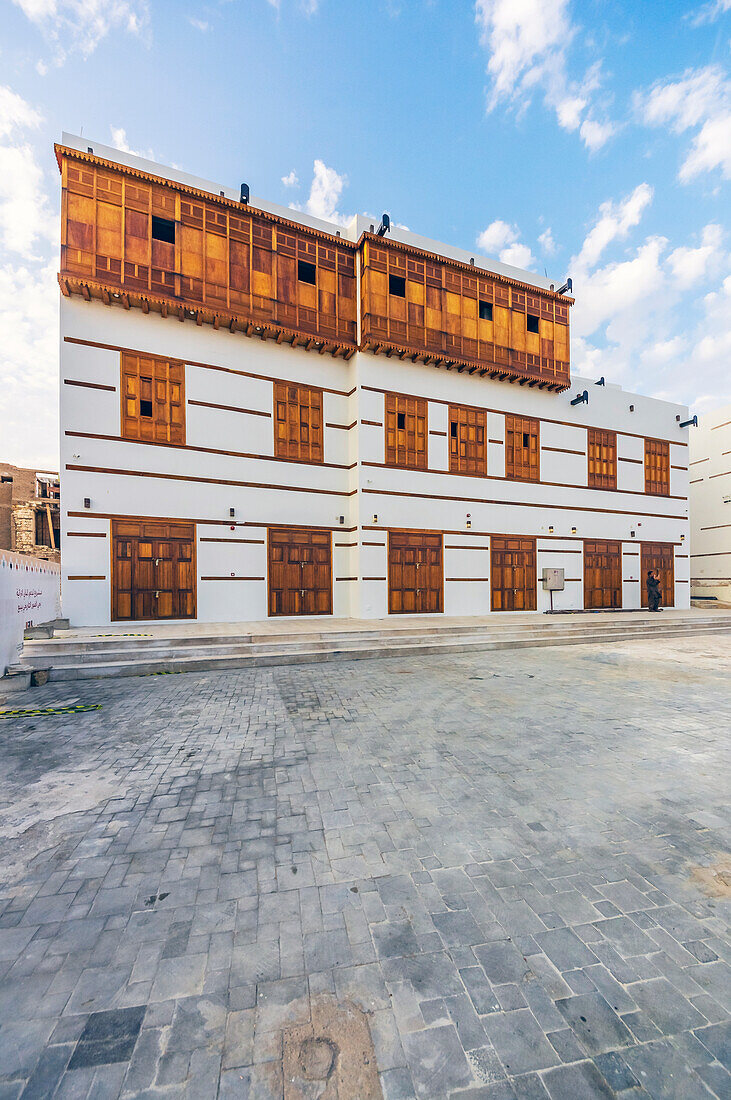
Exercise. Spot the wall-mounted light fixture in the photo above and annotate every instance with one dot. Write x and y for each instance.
(600, 381)
(581, 398)
(631, 534)
(375, 518)
(244, 194)
(573, 530)
(87, 502)
(693, 422)
(469, 520)
(550, 529)
(341, 520)
(631, 408)
(682, 538)
(232, 512)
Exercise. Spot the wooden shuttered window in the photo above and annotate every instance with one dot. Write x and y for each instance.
(467, 440)
(602, 453)
(406, 431)
(298, 429)
(153, 399)
(657, 467)
(522, 448)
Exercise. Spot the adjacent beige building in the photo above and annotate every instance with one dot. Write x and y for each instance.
(710, 507)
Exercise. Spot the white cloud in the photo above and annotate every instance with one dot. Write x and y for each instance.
(199, 24)
(81, 24)
(528, 42)
(497, 235)
(648, 319)
(691, 265)
(615, 221)
(119, 141)
(325, 191)
(709, 13)
(502, 239)
(28, 293)
(290, 180)
(547, 242)
(700, 100)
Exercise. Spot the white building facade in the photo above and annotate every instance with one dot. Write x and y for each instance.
(293, 418)
(710, 507)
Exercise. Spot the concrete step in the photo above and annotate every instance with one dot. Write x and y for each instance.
(304, 653)
(165, 648)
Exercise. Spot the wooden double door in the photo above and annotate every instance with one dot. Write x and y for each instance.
(300, 571)
(153, 570)
(658, 555)
(415, 572)
(513, 573)
(602, 574)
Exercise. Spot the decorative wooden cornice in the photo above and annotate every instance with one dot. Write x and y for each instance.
(169, 307)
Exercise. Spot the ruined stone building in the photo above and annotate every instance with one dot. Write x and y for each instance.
(29, 512)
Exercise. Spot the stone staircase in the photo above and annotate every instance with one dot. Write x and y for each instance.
(82, 656)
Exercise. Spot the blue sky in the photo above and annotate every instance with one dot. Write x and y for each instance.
(588, 139)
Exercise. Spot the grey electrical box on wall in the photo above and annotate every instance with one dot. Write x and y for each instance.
(553, 580)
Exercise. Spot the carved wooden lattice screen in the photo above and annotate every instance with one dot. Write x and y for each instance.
(657, 467)
(153, 399)
(298, 422)
(406, 431)
(467, 440)
(522, 448)
(602, 452)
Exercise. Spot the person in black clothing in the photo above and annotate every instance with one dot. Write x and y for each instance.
(653, 590)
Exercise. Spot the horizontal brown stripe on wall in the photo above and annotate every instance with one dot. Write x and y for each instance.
(344, 544)
(563, 451)
(556, 549)
(630, 580)
(725, 473)
(233, 578)
(344, 427)
(208, 480)
(715, 429)
(373, 578)
(718, 554)
(502, 412)
(373, 423)
(251, 542)
(515, 480)
(636, 461)
(89, 385)
(457, 546)
(632, 553)
(373, 544)
(496, 534)
(89, 578)
(483, 579)
(86, 534)
(157, 519)
(697, 461)
(679, 581)
(685, 555)
(211, 450)
(716, 527)
(437, 433)
(521, 504)
(500, 441)
(678, 467)
(695, 481)
(228, 408)
(346, 578)
(194, 363)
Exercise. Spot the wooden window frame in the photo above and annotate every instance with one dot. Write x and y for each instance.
(302, 437)
(406, 448)
(657, 467)
(518, 426)
(166, 381)
(601, 458)
(468, 456)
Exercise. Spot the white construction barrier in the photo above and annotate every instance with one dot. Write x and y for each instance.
(30, 593)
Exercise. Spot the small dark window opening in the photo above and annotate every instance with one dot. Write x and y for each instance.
(526, 439)
(306, 272)
(397, 286)
(400, 420)
(163, 230)
(6, 480)
(145, 408)
(531, 323)
(453, 429)
(486, 311)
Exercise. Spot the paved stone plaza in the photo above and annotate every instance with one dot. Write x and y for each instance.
(496, 875)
